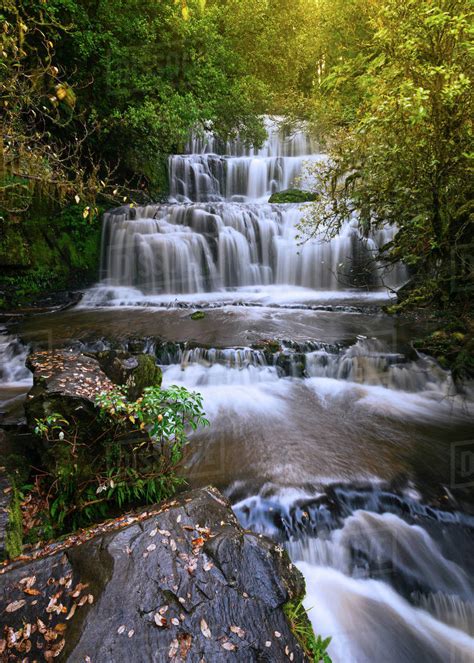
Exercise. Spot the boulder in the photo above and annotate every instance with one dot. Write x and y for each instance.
(178, 582)
(136, 372)
(64, 382)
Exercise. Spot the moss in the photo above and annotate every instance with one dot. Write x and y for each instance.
(454, 351)
(14, 529)
(300, 624)
(44, 254)
(146, 374)
(198, 315)
(293, 196)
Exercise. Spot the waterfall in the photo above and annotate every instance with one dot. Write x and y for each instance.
(218, 231)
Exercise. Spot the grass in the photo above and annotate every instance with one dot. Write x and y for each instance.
(313, 646)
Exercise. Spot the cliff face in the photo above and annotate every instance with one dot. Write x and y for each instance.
(179, 582)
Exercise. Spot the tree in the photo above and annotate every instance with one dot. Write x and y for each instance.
(404, 156)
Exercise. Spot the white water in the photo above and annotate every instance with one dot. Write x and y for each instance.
(13, 371)
(219, 233)
(15, 378)
(287, 427)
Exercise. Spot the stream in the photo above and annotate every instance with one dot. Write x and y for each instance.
(328, 431)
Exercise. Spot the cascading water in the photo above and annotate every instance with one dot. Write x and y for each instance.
(218, 232)
(15, 378)
(328, 432)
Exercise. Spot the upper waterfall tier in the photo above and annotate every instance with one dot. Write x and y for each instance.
(214, 170)
(280, 142)
(211, 178)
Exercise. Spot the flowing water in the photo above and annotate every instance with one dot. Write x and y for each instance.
(328, 432)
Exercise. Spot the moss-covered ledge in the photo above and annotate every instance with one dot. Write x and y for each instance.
(293, 196)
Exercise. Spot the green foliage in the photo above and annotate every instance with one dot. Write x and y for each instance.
(314, 647)
(44, 254)
(198, 315)
(402, 153)
(293, 196)
(131, 461)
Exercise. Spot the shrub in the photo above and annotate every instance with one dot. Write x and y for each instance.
(131, 461)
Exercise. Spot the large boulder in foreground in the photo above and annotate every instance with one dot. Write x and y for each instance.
(179, 582)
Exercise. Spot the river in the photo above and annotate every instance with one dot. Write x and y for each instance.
(328, 432)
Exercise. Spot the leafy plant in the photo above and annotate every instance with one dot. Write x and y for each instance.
(314, 646)
(127, 458)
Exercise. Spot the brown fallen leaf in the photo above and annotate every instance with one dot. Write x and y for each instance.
(185, 640)
(32, 592)
(229, 646)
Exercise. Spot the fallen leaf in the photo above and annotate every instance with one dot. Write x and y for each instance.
(175, 621)
(205, 629)
(174, 648)
(15, 605)
(229, 646)
(151, 547)
(185, 640)
(32, 592)
(238, 631)
(121, 629)
(131, 633)
(71, 612)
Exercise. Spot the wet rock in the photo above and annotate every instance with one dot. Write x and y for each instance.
(136, 372)
(182, 582)
(64, 382)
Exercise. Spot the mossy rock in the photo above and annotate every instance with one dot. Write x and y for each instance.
(146, 374)
(136, 372)
(14, 526)
(293, 196)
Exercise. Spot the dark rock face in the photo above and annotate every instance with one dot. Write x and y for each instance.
(182, 582)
